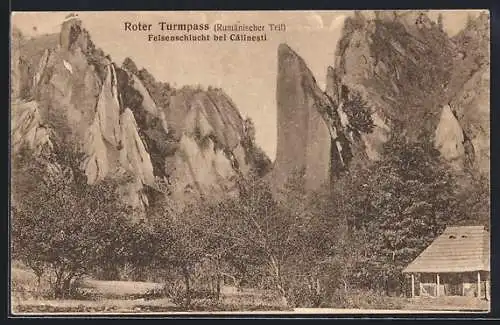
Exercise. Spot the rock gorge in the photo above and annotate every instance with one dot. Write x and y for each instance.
(417, 82)
(66, 90)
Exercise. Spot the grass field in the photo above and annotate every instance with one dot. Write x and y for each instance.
(121, 297)
(119, 289)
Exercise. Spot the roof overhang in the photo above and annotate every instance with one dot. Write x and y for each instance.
(450, 270)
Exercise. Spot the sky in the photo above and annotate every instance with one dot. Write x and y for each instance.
(245, 71)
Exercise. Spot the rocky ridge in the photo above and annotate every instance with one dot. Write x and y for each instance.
(68, 91)
(418, 83)
(414, 77)
(415, 81)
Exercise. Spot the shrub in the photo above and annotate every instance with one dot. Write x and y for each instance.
(176, 292)
(154, 293)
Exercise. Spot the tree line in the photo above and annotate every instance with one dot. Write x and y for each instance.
(309, 248)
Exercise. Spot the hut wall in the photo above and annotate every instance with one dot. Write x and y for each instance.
(453, 284)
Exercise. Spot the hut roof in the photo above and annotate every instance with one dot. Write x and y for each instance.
(458, 249)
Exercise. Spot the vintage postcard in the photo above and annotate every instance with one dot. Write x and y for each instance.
(290, 162)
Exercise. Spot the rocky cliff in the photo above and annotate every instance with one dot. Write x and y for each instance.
(418, 82)
(395, 74)
(469, 94)
(311, 136)
(64, 89)
(303, 137)
(210, 132)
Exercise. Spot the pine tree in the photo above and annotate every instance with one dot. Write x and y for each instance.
(129, 65)
(397, 207)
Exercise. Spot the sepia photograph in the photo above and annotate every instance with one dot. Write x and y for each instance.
(250, 162)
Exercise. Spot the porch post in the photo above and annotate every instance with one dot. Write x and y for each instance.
(437, 284)
(479, 285)
(412, 285)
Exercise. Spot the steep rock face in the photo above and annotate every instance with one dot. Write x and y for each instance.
(201, 170)
(67, 91)
(108, 109)
(367, 145)
(15, 77)
(95, 164)
(27, 58)
(72, 99)
(148, 104)
(210, 154)
(134, 156)
(409, 71)
(211, 112)
(472, 108)
(399, 66)
(308, 124)
(449, 139)
(469, 95)
(72, 92)
(27, 128)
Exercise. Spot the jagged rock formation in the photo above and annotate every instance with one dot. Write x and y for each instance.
(79, 106)
(365, 146)
(472, 108)
(188, 143)
(398, 63)
(415, 79)
(27, 128)
(469, 95)
(69, 91)
(310, 133)
(449, 138)
(210, 132)
(303, 137)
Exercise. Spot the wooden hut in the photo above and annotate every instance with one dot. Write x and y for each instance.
(457, 263)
